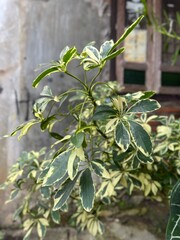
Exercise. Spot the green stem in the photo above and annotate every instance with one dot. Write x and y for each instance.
(78, 79)
(95, 77)
(79, 123)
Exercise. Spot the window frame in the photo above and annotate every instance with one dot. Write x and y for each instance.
(153, 66)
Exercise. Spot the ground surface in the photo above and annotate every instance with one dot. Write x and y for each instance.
(132, 219)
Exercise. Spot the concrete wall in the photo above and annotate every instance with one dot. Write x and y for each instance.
(34, 32)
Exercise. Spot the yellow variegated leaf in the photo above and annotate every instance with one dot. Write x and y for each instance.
(114, 173)
(43, 221)
(84, 216)
(100, 227)
(164, 131)
(67, 137)
(118, 103)
(147, 189)
(116, 179)
(80, 153)
(94, 227)
(147, 127)
(101, 189)
(154, 188)
(140, 138)
(157, 184)
(131, 187)
(70, 166)
(160, 147)
(27, 224)
(14, 175)
(93, 53)
(122, 136)
(105, 174)
(123, 181)
(89, 223)
(111, 125)
(87, 190)
(110, 189)
(99, 169)
(172, 146)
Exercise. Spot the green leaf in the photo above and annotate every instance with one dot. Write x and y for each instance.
(64, 193)
(58, 169)
(122, 136)
(73, 164)
(26, 237)
(77, 139)
(87, 191)
(173, 227)
(63, 52)
(46, 92)
(62, 181)
(64, 208)
(105, 48)
(103, 112)
(122, 157)
(43, 75)
(45, 192)
(41, 230)
(93, 53)
(144, 159)
(127, 32)
(47, 121)
(13, 194)
(146, 105)
(130, 97)
(99, 168)
(56, 135)
(88, 65)
(17, 213)
(16, 130)
(41, 104)
(114, 54)
(147, 94)
(43, 173)
(135, 162)
(68, 56)
(26, 128)
(135, 181)
(56, 217)
(140, 138)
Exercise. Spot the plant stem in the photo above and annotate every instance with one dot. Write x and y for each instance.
(78, 79)
(95, 77)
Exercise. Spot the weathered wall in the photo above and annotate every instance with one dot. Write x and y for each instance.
(34, 32)
(10, 80)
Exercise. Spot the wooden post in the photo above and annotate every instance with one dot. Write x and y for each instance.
(120, 30)
(154, 45)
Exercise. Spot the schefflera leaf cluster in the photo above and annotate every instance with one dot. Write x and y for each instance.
(107, 137)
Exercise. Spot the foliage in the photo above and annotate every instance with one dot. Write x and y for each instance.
(173, 228)
(36, 205)
(106, 150)
(1, 235)
(169, 134)
(166, 152)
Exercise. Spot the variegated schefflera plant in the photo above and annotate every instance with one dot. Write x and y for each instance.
(103, 153)
(173, 226)
(166, 154)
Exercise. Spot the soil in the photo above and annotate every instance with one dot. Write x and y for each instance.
(131, 211)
